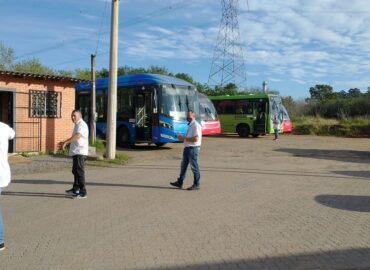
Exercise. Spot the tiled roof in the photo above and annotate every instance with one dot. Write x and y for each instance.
(39, 76)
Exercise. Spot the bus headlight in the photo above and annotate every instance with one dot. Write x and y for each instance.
(165, 125)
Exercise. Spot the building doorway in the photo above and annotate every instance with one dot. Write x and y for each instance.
(7, 112)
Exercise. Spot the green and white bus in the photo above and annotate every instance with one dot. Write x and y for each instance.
(249, 114)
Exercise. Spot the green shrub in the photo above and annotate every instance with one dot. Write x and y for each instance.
(99, 145)
(355, 127)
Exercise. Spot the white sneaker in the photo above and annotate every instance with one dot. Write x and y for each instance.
(80, 196)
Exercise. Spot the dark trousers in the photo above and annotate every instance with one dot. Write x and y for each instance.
(78, 170)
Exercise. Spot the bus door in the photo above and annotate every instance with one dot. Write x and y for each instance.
(260, 122)
(143, 116)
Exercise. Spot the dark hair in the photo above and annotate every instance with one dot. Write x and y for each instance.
(77, 111)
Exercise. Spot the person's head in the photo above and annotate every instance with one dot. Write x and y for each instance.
(76, 116)
(190, 115)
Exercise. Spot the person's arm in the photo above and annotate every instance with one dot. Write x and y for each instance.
(11, 133)
(195, 138)
(192, 139)
(71, 139)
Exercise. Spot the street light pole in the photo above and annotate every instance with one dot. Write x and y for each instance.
(112, 88)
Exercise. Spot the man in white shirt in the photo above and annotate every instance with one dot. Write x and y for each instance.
(6, 134)
(78, 149)
(276, 126)
(192, 142)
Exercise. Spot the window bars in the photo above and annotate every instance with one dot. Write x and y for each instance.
(45, 104)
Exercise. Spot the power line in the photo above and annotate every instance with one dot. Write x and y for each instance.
(106, 52)
(100, 27)
(148, 16)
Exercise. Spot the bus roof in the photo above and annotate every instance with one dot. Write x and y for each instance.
(247, 96)
(135, 80)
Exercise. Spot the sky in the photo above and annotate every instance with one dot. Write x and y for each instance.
(291, 44)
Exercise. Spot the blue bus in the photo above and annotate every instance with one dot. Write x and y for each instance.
(151, 108)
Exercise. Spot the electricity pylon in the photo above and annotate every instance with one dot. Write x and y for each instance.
(228, 58)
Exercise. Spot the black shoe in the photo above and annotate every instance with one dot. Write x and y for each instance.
(194, 187)
(176, 184)
(2, 246)
(72, 192)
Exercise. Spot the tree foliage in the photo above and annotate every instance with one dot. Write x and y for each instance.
(6, 57)
(33, 65)
(321, 92)
(342, 104)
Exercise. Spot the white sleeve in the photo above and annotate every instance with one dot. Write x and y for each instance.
(199, 130)
(82, 130)
(11, 133)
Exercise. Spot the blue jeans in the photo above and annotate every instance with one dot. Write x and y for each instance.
(1, 226)
(276, 133)
(190, 155)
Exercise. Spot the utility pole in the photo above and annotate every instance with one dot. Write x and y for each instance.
(93, 100)
(112, 87)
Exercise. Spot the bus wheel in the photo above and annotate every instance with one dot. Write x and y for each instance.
(160, 144)
(123, 137)
(243, 130)
(255, 135)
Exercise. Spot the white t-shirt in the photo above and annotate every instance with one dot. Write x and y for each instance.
(6, 134)
(194, 129)
(276, 123)
(81, 146)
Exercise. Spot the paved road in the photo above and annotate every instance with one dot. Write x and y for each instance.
(298, 203)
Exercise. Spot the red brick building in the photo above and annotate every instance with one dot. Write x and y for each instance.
(38, 107)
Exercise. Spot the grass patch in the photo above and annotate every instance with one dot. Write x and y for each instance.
(120, 159)
(99, 146)
(61, 153)
(349, 127)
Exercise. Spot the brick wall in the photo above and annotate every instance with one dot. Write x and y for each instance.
(39, 133)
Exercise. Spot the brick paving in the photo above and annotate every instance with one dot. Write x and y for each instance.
(299, 203)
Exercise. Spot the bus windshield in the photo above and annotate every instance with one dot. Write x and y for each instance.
(275, 106)
(207, 110)
(177, 101)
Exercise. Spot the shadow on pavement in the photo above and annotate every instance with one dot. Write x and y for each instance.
(56, 182)
(241, 171)
(345, 202)
(36, 194)
(339, 155)
(144, 148)
(347, 259)
(361, 174)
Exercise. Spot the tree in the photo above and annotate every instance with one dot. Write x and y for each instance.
(33, 65)
(83, 74)
(342, 94)
(230, 89)
(64, 73)
(321, 92)
(185, 77)
(354, 93)
(158, 70)
(6, 57)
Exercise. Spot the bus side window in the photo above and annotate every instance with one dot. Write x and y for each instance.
(125, 104)
(227, 107)
(101, 107)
